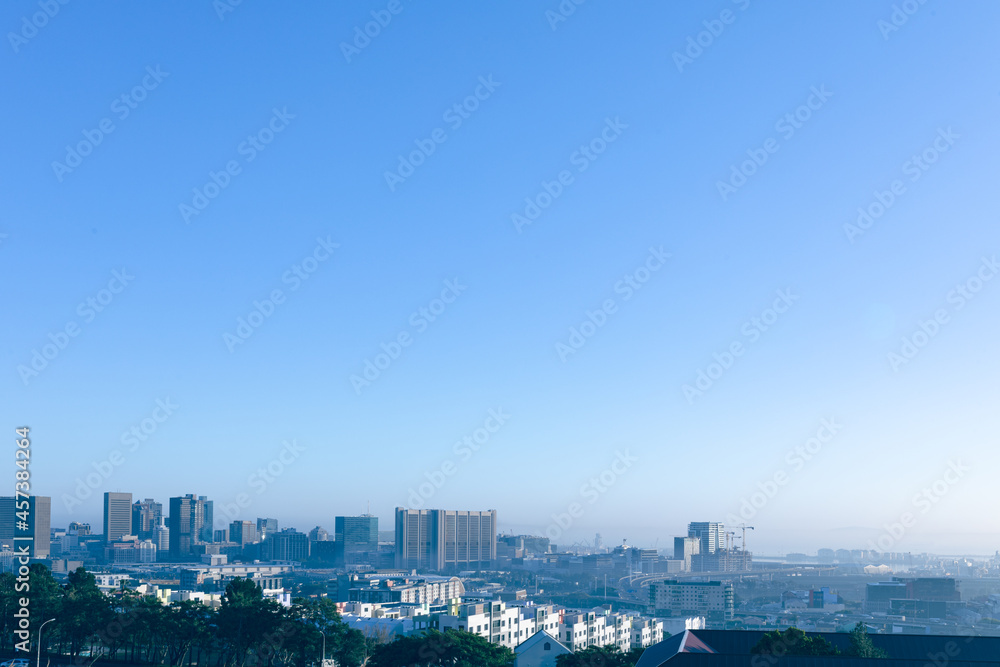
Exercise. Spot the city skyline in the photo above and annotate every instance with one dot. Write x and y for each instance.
(493, 259)
(662, 541)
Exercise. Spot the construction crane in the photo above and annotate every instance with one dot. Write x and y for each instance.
(745, 552)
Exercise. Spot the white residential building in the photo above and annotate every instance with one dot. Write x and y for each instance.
(578, 630)
(646, 632)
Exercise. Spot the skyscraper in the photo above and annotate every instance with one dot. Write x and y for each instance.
(190, 523)
(442, 540)
(266, 527)
(243, 532)
(117, 515)
(712, 535)
(37, 528)
(355, 540)
(147, 516)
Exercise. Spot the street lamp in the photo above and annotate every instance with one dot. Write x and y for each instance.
(323, 664)
(38, 662)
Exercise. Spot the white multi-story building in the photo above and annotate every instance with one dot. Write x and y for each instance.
(406, 589)
(499, 624)
(595, 628)
(646, 632)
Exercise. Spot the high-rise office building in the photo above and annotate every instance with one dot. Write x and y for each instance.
(266, 527)
(147, 515)
(355, 540)
(318, 534)
(36, 530)
(117, 515)
(243, 532)
(287, 544)
(711, 535)
(441, 540)
(190, 523)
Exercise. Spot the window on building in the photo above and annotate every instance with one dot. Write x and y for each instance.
(547, 647)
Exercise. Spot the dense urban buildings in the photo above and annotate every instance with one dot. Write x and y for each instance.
(147, 516)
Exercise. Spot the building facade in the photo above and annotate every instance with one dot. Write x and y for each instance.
(117, 516)
(190, 523)
(355, 540)
(711, 599)
(147, 516)
(444, 540)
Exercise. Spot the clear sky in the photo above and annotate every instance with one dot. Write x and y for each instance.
(680, 171)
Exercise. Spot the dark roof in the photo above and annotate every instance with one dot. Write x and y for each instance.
(718, 660)
(731, 648)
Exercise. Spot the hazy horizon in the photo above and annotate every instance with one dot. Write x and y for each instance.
(510, 253)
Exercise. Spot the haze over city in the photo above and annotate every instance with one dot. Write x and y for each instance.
(358, 244)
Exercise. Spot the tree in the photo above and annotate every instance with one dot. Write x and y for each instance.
(247, 623)
(862, 645)
(454, 648)
(792, 642)
(84, 611)
(599, 656)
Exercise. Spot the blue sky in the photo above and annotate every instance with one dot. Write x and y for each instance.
(329, 126)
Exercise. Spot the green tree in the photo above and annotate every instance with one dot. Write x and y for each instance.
(84, 612)
(599, 656)
(8, 605)
(453, 648)
(185, 625)
(249, 624)
(792, 642)
(862, 646)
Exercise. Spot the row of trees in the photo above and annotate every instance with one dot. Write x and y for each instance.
(796, 642)
(247, 630)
